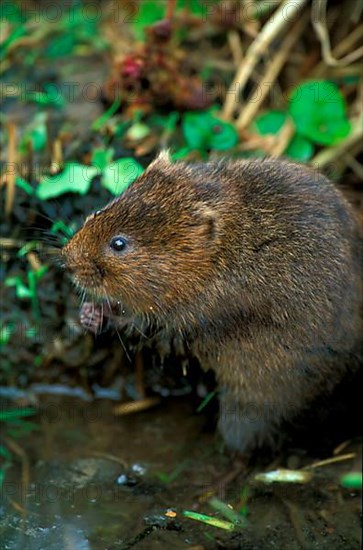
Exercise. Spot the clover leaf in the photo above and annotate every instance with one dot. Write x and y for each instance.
(75, 178)
(203, 130)
(271, 122)
(319, 112)
(118, 175)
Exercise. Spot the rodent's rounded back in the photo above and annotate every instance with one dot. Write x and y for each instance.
(222, 244)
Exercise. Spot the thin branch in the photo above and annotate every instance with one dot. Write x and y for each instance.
(318, 19)
(272, 72)
(277, 22)
(235, 45)
(11, 169)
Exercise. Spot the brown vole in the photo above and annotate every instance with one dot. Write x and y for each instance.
(255, 263)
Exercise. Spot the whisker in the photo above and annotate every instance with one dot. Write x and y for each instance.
(117, 332)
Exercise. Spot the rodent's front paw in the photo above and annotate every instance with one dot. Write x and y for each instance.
(91, 316)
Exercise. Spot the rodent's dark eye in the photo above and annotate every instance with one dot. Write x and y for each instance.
(118, 244)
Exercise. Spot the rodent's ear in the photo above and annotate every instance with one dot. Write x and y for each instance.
(210, 221)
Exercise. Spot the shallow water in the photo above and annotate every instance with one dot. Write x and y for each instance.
(97, 481)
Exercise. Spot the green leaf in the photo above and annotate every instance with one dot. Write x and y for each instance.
(60, 227)
(75, 178)
(148, 12)
(2, 475)
(202, 130)
(181, 153)
(102, 157)
(166, 122)
(43, 98)
(23, 429)
(39, 273)
(319, 112)
(14, 35)
(210, 395)
(199, 8)
(10, 415)
(28, 247)
(5, 453)
(24, 185)
(300, 148)
(101, 121)
(271, 122)
(209, 520)
(36, 134)
(21, 290)
(352, 480)
(5, 333)
(118, 175)
(60, 45)
(196, 7)
(138, 131)
(32, 332)
(12, 12)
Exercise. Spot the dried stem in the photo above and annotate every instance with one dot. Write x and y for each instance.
(318, 19)
(11, 169)
(268, 79)
(170, 10)
(235, 45)
(25, 470)
(331, 460)
(344, 46)
(278, 21)
(136, 406)
(283, 139)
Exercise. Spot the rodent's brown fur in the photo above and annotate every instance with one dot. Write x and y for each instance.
(256, 263)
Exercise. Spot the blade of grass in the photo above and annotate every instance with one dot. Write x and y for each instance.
(101, 121)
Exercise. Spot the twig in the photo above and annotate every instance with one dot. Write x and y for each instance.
(7, 243)
(347, 44)
(108, 456)
(344, 46)
(318, 19)
(283, 139)
(268, 79)
(277, 22)
(33, 260)
(295, 518)
(235, 45)
(341, 447)
(57, 156)
(354, 165)
(170, 10)
(263, 7)
(136, 406)
(331, 460)
(11, 169)
(25, 469)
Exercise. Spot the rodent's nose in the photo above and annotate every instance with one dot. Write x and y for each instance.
(68, 258)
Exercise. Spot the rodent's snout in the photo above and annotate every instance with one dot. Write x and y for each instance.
(66, 256)
(83, 268)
